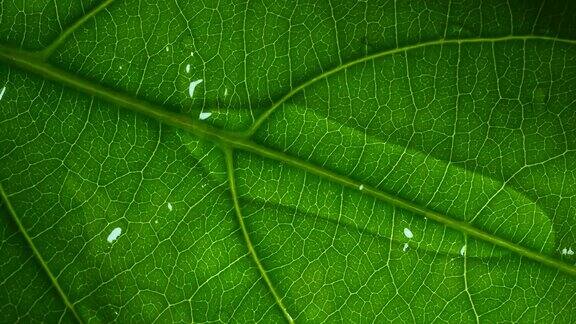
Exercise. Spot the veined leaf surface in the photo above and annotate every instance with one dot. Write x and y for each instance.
(352, 161)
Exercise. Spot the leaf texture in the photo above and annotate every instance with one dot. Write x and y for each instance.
(351, 161)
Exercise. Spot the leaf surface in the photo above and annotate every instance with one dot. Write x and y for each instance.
(297, 161)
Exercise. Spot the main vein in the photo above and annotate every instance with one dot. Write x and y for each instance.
(28, 62)
(37, 254)
(461, 226)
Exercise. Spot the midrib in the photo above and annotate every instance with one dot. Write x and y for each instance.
(32, 63)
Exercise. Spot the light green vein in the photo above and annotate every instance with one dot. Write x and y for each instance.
(461, 226)
(246, 235)
(465, 275)
(37, 254)
(46, 52)
(29, 63)
(260, 120)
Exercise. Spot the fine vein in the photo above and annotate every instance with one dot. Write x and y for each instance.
(260, 120)
(32, 62)
(37, 254)
(461, 226)
(465, 275)
(29, 63)
(246, 235)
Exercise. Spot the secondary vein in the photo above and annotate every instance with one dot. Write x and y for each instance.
(246, 236)
(262, 118)
(46, 52)
(37, 254)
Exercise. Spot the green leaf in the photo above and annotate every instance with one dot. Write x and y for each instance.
(181, 161)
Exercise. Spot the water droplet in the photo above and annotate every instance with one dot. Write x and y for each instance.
(114, 234)
(408, 233)
(192, 87)
(405, 247)
(204, 115)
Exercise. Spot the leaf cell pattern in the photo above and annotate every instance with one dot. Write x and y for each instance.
(297, 161)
